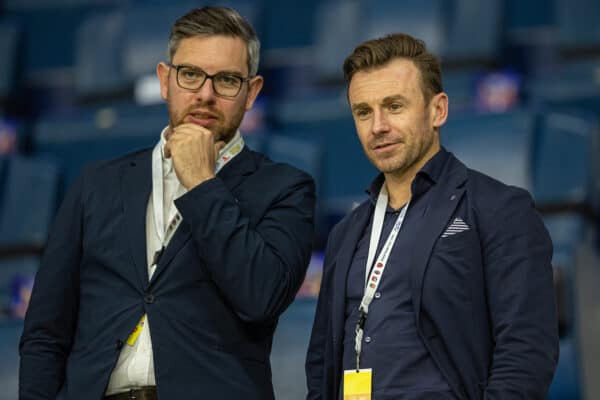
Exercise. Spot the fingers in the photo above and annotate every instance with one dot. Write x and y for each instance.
(193, 151)
(191, 129)
(219, 146)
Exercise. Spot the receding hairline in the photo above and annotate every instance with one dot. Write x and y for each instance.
(374, 68)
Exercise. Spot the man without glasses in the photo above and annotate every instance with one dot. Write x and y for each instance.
(439, 286)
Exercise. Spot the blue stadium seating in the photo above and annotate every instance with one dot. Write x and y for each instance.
(498, 144)
(587, 323)
(50, 28)
(9, 46)
(563, 177)
(572, 84)
(565, 144)
(578, 24)
(289, 350)
(301, 153)
(474, 30)
(565, 384)
(446, 27)
(29, 202)
(10, 36)
(10, 333)
(285, 25)
(98, 56)
(97, 134)
(15, 272)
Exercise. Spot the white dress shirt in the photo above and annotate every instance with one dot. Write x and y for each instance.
(135, 366)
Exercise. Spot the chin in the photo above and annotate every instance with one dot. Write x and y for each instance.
(387, 166)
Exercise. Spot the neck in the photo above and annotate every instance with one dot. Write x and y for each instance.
(398, 183)
(398, 188)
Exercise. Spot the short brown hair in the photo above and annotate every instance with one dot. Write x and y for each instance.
(378, 52)
(209, 21)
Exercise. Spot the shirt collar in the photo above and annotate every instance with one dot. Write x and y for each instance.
(167, 162)
(428, 176)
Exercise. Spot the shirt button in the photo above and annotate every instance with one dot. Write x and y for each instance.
(119, 344)
(377, 295)
(149, 298)
(368, 339)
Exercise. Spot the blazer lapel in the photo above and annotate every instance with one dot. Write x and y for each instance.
(445, 198)
(232, 174)
(136, 185)
(345, 254)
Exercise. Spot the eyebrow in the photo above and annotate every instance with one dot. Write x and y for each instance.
(359, 106)
(386, 100)
(397, 97)
(228, 72)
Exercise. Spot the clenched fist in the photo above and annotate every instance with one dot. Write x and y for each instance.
(194, 153)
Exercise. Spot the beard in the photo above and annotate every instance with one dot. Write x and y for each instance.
(224, 127)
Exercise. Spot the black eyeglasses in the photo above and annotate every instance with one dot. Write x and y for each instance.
(224, 84)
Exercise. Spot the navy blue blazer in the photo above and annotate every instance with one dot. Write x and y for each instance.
(483, 299)
(233, 266)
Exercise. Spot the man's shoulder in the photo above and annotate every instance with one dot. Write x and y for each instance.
(103, 173)
(105, 166)
(348, 220)
(277, 171)
(489, 195)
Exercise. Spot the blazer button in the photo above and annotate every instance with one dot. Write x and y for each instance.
(149, 298)
(119, 344)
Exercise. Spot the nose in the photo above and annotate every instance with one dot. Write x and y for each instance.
(380, 122)
(206, 94)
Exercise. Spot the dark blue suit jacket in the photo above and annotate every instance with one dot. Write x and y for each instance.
(233, 266)
(483, 299)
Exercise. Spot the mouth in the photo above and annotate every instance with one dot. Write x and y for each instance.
(384, 147)
(202, 118)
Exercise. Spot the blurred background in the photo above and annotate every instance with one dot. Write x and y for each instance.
(77, 84)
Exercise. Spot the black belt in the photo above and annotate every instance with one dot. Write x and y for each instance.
(143, 393)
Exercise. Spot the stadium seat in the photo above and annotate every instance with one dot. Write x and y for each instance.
(9, 50)
(97, 134)
(289, 349)
(28, 204)
(497, 144)
(10, 334)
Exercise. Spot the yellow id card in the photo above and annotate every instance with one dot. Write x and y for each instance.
(357, 385)
(136, 331)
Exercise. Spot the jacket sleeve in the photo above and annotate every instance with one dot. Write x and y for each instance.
(517, 254)
(258, 267)
(321, 335)
(52, 313)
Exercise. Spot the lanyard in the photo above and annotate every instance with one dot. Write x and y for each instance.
(227, 153)
(374, 274)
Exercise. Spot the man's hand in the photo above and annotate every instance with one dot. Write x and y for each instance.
(194, 153)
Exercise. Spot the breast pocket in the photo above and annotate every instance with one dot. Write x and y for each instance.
(451, 263)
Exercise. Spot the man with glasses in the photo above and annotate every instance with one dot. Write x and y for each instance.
(167, 269)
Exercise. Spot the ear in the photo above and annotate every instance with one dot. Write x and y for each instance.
(162, 71)
(438, 109)
(254, 87)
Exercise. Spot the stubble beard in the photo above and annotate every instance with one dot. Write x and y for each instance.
(222, 130)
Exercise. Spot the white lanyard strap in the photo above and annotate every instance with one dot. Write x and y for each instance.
(227, 153)
(373, 274)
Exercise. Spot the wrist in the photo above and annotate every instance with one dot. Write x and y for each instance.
(198, 180)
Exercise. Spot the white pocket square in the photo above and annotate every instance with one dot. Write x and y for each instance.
(457, 226)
